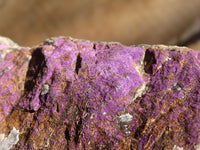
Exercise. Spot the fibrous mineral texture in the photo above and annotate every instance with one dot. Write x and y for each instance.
(77, 94)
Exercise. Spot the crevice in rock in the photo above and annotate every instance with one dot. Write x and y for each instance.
(78, 126)
(43, 99)
(57, 108)
(28, 110)
(35, 69)
(67, 87)
(67, 134)
(107, 46)
(139, 130)
(134, 145)
(78, 131)
(78, 63)
(149, 61)
(27, 135)
(94, 46)
(67, 137)
(53, 77)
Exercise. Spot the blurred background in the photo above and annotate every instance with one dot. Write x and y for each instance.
(30, 22)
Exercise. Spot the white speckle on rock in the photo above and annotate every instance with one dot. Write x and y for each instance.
(9, 42)
(125, 118)
(167, 59)
(8, 142)
(197, 147)
(128, 132)
(92, 116)
(1, 137)
(125, 126)
(11, 45)
(49, 41)
(3, 53)
(177, 86)
(177, 148)
(117, 88)
(44, 89)
(127, 77)
(140, 91)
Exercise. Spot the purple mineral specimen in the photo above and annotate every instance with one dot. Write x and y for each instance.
(77, 94)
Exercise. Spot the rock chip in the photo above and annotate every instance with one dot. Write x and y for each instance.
(79, 94)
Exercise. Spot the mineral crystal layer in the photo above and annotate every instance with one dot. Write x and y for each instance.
(77, 94)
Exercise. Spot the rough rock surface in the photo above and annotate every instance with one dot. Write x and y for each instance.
(78, 94)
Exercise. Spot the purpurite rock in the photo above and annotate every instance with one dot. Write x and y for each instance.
(77, 94)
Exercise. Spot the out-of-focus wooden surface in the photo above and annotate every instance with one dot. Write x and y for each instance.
(195, 45)
(29, 22)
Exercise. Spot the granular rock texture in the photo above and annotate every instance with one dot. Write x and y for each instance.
(78, 94)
